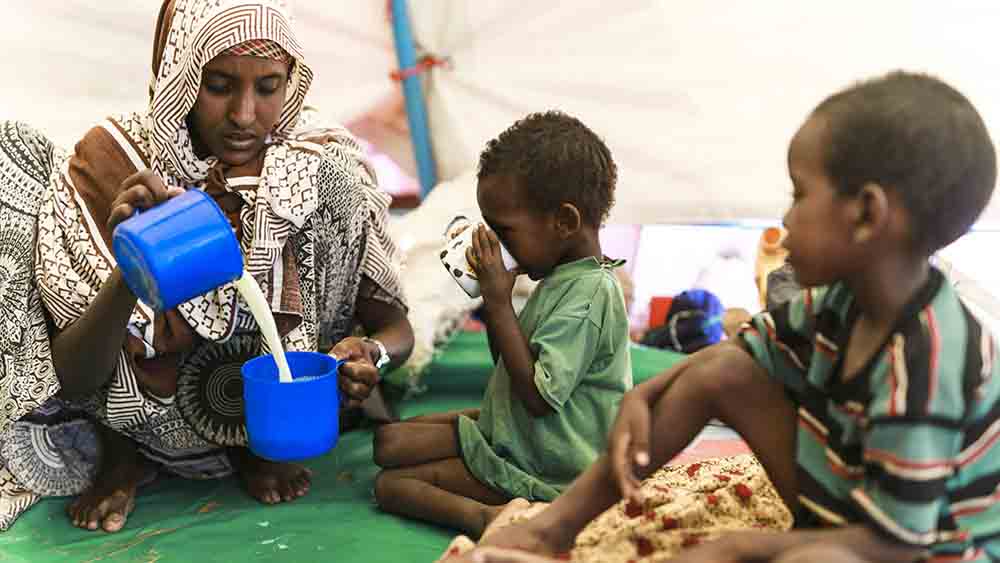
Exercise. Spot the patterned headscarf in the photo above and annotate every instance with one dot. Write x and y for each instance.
(263, 48)
(189, 34)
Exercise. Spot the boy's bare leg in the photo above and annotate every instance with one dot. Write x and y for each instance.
(824, 553)
(442, 492)
(110, 499)
(729, 386)
(407, 444)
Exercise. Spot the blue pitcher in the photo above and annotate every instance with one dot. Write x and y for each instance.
(178, 250)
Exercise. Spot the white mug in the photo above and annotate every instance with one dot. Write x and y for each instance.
(454, 258)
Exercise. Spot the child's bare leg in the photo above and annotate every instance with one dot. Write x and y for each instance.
(444, 417)
(406, 444)
(727, 385)
(442, 492)
(824, 553)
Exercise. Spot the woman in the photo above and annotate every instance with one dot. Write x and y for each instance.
(229, 81)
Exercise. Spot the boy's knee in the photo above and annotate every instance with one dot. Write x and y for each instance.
(716, 372)
(388, 439)
(723, 372)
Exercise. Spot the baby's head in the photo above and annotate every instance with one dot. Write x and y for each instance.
(897, 165)
(542, 184)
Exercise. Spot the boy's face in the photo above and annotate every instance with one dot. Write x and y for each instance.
(530, 236)
(820, 239)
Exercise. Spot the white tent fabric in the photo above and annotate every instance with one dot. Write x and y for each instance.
(696, 99)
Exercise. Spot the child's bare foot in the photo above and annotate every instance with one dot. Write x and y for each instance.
(459, 545)
(532, 536)
(505, 515)
(270, 482)
(108, 502)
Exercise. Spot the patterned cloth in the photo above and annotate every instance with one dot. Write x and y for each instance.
(312, 230)
(260, 48)
(31, 422)
(907, 445)
(685, 505)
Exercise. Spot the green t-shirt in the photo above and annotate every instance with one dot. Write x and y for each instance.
(577, 327)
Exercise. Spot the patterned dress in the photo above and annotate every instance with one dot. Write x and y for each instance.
(311, 225)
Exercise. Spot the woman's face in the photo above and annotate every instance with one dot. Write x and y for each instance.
(238, 105)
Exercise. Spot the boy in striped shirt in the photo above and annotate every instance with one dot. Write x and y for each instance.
(873, 399)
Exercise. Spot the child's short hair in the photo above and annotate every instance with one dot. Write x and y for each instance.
(554, 158)
(916, 135)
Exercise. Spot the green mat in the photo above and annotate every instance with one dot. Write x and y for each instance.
(186, 521)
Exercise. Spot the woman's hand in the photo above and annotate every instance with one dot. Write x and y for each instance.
(141, 190)
(358, 374)
(485, 258)
(628, 445)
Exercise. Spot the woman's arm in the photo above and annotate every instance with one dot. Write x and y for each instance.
(390, 326)
(85, 353)
(387, 324)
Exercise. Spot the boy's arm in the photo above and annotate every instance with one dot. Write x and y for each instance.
(512, 346)
(490, 337)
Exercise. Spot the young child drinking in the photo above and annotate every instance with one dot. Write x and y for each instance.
(545, 186)
(873, 398)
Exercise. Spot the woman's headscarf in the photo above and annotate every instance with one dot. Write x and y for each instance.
(189, 34)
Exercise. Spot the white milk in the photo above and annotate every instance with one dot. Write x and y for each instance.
(257, 302)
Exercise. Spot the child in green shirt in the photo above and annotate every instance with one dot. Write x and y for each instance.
(545, 186)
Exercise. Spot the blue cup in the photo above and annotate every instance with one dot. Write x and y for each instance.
(178, 250)
(297, 420)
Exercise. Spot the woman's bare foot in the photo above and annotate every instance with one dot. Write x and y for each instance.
(108, 502)
(268, 481)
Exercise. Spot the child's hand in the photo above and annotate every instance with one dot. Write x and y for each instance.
(485, 258)
(628, 445)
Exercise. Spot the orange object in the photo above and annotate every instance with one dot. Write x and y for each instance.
(658, 309)
(770, 256)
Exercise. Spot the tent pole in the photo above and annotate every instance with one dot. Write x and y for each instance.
(416, 110)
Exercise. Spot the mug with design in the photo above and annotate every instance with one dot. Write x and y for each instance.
(453, 255)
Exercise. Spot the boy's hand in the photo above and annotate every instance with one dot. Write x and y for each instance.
(628, 445)
(495, 282)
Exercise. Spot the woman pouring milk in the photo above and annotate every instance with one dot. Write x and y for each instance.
(229, 81)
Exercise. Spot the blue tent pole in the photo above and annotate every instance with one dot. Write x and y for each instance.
(416, 110)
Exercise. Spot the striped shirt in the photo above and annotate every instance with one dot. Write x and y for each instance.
(909, 444)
